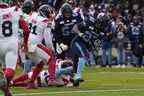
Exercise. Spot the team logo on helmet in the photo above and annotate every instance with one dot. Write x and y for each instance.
(45, 10)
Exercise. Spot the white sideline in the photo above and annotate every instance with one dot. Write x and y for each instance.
(83, 91)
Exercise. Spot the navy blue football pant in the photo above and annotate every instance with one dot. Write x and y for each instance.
(79, 56)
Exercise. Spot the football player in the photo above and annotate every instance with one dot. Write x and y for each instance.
(38, 52)
(68, 36)
(63, 71)
(10, 21)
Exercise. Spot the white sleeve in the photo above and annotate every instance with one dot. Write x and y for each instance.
(48, 38)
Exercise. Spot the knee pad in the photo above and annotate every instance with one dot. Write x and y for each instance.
(9, 73)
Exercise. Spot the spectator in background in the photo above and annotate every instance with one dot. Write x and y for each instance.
(107, 29)
(135, 29)
(119, 42)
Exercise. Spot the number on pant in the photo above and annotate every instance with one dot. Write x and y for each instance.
(7, 28)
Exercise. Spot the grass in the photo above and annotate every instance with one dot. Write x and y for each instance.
(98, 82)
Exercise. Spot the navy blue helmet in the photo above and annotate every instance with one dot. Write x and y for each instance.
(45, 10)
(66, 10)
(27, 6)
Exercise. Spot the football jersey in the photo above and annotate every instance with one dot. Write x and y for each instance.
(37, 25)
(44, 76)
(135, 29)
(9, 22)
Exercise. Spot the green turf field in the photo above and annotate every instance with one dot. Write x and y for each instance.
(98, 82)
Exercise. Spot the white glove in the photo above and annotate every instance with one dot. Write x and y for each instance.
(60, 48)
(63, 46)
(80, 34)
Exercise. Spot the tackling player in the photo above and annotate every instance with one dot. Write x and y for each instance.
(38, 52)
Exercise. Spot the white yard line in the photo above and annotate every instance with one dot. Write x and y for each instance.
(123, 72)
(83, 91)
(117, 73)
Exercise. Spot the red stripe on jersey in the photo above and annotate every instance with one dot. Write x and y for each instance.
(45, 21)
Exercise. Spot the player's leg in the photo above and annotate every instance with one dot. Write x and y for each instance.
(20, 80)
(7, 73)
(10, 60)
(35, 72)
(47, 54)
(11, 57)
(4, 85)
(42, 57)
(25, 62)
(79, 50)
(38, 68)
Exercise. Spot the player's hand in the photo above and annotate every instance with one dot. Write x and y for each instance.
(63, 46)
(80, 34)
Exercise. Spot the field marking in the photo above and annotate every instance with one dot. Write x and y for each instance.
(122, 72)
(118, 72)
(83, 91)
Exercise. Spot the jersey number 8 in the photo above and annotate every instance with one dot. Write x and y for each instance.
(7, 28)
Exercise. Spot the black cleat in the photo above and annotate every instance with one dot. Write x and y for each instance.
(76, 83)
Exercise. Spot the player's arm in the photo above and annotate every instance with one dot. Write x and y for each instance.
(79, 27)
(57, 32)
(24, 25)
(48, 37)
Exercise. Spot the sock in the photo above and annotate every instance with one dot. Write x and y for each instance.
(20, 84)
(51, 68)
(36, 71)
(81, 64)
(21, 78)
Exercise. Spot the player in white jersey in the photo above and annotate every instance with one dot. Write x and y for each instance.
(37, 51)
(63, 71)
(10, 21)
